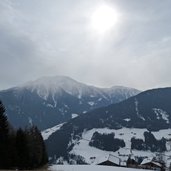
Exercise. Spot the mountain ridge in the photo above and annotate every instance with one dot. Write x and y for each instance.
(49, 101)
(68, 84)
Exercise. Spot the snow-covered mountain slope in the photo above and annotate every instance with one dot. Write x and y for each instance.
(139, 125)
(49, 86)
(48, 132)
(49, 101)
(89, 168)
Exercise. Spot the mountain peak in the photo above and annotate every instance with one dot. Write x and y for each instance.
(52, 85)
(50, 81)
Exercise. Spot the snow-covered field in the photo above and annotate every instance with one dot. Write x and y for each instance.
(89, 168)
(83, 149)
(93, 155)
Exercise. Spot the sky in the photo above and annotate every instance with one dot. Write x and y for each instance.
(56, 37)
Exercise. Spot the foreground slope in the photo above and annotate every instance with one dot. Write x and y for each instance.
(89, 168)
(49, 101)
(141, 123)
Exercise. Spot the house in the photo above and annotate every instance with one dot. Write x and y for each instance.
(132, 162)
(151, 163)
(109, 160)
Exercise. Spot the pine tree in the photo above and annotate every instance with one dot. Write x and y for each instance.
(37, 151)
(22, 150)
(4, 138)
(12, 152)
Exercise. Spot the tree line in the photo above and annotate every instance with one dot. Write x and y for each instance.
(149, 143)
(106, 142)
(21, 148)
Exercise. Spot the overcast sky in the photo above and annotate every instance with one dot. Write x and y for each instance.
(54, 37)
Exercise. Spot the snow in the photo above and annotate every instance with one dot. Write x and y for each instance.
(157, 164)
(123, 133)
(137, 110)
(110, 158)
(80, 94)
(100, 99)
(74, 115)
(50, 86)
(161, 114)
(83, 149)
(47, 86)
(55, 102)
(48, 132)
(89, 168)
(126, 91)
(147, 160)
(165, 133)
(168, 145)
(150, 160)
(127, 119)
(50, 105)
(30, 121)
(66, 106)
(91, 103)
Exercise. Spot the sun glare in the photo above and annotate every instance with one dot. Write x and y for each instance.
(104, 18)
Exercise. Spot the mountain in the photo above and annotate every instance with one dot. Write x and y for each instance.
(138, 126)
(49, 101)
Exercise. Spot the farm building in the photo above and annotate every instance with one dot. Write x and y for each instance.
(151, 163)
(110, 160)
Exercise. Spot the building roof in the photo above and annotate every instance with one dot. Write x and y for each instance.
(150, 160)
(110, 158)
(147, 160)
(157, 164)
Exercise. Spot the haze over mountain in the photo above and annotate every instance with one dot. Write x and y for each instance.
(52, 100)
(138, 126)
(47, 37)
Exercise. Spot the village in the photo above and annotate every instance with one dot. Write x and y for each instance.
(126, 157)
(150, 163)
(124, 163)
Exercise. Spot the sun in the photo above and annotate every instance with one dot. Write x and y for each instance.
(104, 18)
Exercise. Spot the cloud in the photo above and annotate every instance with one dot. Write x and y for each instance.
(40, 37)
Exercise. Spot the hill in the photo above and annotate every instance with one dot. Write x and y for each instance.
(138, 126)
